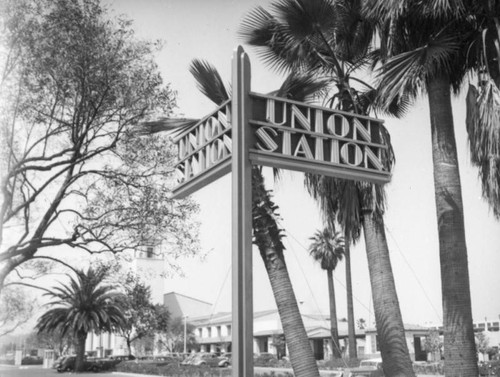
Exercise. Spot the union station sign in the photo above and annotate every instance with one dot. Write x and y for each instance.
(284, 134)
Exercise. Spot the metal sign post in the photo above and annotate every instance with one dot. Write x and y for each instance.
(242, 305)
(269, 131)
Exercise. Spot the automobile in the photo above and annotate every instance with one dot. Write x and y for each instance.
(58, 361)
(375, 363)
(198, 359)
(225, 360)
(89, 364)
(66, 364)
(362, 372)
(122, 357)
(367, 368)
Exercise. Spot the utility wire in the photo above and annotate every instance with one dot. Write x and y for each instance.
(414, 274)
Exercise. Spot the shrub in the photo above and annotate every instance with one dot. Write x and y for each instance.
(171, 369)
(32, 360)
(338, 363)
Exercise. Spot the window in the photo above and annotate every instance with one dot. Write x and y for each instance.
(228, 330)
(209, 331)
(219, 333)
(149, 252)
(494, 326)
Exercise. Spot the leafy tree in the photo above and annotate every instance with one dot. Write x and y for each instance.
(53, 340)
(142, 318)
(17, 309)
(361, 323)
(434, 344)
(172, 340)
(327, 248)
(74, 82)
(330, 40)
(85, 304)
(482, 343)
(279, 343)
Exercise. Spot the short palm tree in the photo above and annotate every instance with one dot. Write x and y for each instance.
(330, 40)
(327, 248)
(84, 304)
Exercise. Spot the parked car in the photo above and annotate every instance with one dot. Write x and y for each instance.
(210, 359)
(362, 372)
(367, 368)
(58, 361)
(122, 357)
(371, 363)
(225, 360)
(89, 364)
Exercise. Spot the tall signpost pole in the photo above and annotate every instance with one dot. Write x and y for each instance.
(242, 305)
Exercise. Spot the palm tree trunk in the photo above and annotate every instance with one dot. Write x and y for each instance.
(268, 239)
(353, 353)
(459, 344)
(334, 331)
(129, 345)
(81, 338)
(389, 323)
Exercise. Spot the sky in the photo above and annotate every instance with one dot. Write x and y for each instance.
(208, 30)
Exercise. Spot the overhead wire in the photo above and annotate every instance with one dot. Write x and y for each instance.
(436, 312)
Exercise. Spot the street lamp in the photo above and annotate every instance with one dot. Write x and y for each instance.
(185, 333)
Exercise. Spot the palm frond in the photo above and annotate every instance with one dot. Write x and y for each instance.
(273, 42)
(327, 247)
(398, 108)
(302, 87)
(83, 304)
(209, 81)
(174, 126)
(405, 74)
(393, 9)
(483, 128)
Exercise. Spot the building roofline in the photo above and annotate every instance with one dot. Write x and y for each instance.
(189, 297)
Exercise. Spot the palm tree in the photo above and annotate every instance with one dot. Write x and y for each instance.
(267, 234)
(429, 47)
(330, 39)
(483, 116)
(327, 248)
(85, 304)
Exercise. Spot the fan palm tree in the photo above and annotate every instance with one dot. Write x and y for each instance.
(483, 111)
(328, 248)
(267, 234)
(330, 39)
(429, 47)
(84, 304)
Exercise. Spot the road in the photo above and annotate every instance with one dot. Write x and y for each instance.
(38, 371)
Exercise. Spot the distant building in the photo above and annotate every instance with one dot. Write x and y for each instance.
(213, 333)
(184, 306)
(415, 339)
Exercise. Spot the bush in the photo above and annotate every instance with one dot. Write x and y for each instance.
(338, 363)
(171, 369)
(32, 360)
(489, 368)
(428, 368)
